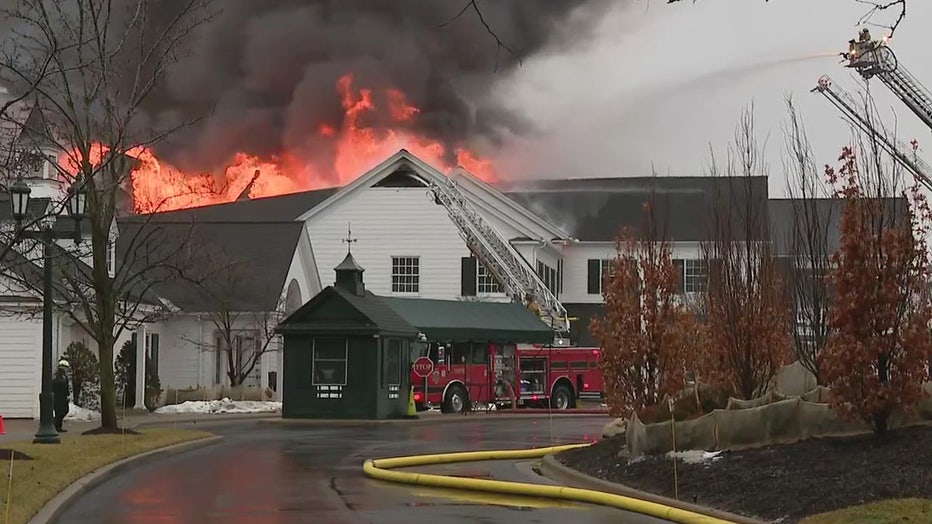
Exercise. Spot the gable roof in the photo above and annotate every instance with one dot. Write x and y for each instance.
(468, 321)
(595, 209)
(402, 159)
(278, 208)
(247, 262)
(380, 316)
(555, 231)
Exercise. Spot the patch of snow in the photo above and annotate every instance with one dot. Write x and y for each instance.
(221, 406)
(78, 414)
(695, 456)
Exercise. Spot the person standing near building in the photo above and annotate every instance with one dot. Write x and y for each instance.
(61, 392)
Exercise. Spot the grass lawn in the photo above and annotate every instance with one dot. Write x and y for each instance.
(884, 512)
(54, 467)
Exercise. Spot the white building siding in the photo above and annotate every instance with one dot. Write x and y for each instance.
(391, 222)
(180, 348)
(576, 267)
(20, 367)
(188, 358)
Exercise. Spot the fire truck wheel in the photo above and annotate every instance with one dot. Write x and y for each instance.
(562, 398)
(456, 400)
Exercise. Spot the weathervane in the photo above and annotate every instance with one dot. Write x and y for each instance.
(349, 238)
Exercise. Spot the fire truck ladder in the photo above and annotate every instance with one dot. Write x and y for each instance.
(877, 59)
(499, 257)
(899, 151)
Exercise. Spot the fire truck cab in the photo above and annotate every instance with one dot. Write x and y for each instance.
(469, 375)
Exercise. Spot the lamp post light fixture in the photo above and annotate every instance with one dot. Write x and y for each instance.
(76, 204)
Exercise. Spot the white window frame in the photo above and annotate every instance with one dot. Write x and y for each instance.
(314, 361)
(486, 283)
(695, 275)
(399, 283)
(605, 265)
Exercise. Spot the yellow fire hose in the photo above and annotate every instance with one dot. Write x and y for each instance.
(381, 469)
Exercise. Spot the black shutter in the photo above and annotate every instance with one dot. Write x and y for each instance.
(680, 286)
(559, 277)
(468, 267)
(595, 276)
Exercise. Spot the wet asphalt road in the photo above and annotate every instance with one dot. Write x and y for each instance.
(276, 474)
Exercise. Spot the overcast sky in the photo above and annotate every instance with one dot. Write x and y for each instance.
(661, 82)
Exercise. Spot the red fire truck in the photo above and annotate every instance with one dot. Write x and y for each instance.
(467, 375)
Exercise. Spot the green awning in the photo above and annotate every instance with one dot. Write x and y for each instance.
(463, 321)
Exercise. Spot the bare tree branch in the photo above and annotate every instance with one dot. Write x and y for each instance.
(242, 315)
(91, 64)
(499, 44)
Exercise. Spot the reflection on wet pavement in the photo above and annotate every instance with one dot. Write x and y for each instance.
(274, 474)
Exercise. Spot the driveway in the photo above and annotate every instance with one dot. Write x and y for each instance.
(277, 474)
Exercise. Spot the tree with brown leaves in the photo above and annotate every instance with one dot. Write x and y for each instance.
(875, 361)
(745, 304)
(640, 331)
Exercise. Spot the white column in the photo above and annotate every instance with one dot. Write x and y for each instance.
(140, 367)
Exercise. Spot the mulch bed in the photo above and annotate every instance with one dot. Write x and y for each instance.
(786, 482)
(12, 454)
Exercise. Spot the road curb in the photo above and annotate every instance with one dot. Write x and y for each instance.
(551, 468)
(430, 420)
(56, 506)
(381, 469)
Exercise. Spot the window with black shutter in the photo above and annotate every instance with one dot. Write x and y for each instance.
(468, 268)
(594, 277)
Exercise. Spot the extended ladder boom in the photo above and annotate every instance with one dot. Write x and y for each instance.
(499, 257)
(899, 151)
(875, 58)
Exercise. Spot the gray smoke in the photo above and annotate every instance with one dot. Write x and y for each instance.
(265, 71)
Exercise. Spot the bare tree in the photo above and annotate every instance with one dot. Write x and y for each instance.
(808, 242)
(105, 57)
(747, 317)
(243, 315)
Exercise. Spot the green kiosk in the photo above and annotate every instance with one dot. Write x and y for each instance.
(347, 354)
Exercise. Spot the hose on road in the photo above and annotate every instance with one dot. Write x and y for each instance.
(381, 469)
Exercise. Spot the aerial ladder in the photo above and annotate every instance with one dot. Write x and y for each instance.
(849, 107)
(874, 58)
(500, 258)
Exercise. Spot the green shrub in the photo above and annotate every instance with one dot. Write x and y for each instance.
(85, 375)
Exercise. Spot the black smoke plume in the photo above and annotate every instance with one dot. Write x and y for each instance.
(264, 72)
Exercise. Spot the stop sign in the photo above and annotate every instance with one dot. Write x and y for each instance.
(423, 366)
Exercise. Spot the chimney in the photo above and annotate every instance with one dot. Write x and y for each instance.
(349, 276)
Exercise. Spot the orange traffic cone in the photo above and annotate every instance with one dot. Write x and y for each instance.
(2, 431)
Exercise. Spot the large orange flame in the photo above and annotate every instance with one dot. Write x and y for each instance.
(158, 186)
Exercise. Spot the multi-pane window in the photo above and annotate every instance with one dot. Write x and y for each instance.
(486, 283)
(695, 276)
(406, 274)
(597, 272)
(329, 362)
(391, 362)
(549, 276)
